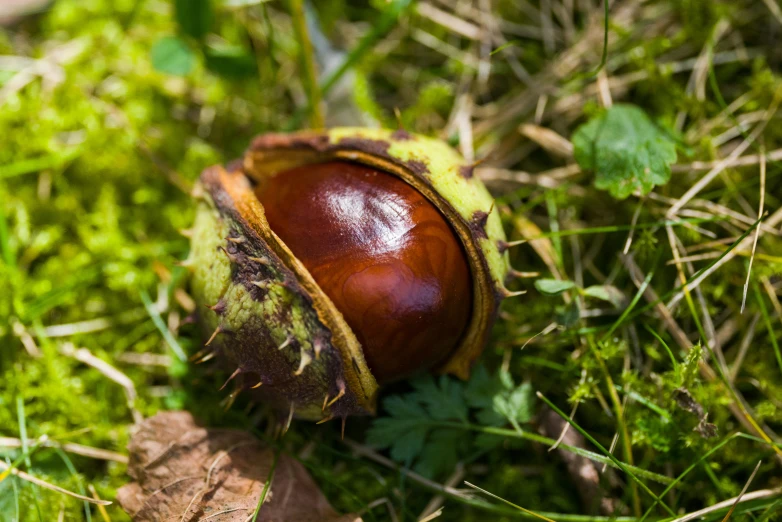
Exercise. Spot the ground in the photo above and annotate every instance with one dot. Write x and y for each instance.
(639, 187)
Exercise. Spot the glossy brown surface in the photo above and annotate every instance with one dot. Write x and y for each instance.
(385, 256)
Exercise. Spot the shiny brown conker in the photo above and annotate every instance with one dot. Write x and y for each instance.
(385, 256)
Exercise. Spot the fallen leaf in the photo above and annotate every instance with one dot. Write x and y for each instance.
(184, 472)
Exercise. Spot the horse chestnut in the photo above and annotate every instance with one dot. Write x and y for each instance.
(326, 262)
(382, 253)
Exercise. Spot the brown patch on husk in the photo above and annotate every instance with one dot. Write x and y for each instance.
(478, 223)
(185, 472)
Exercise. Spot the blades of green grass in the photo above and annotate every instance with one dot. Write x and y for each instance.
(473, 502)
(695, 276)
(643, 400)
(674, 362)
(31, 165)
(774, 508)
(5, 242)
(604, 56)
(626, 311)
(715, 88)
(59, 295)
(307, 58)
(22, 419)
(266, 486)
(492, 495)
(75, 474)
(161, 326)
(616, 461)
(689, 469)
(380, 28)
(620, 419)
(623, 228)
(10, 468)
(767, 321)
(534, 437)
(553, 220)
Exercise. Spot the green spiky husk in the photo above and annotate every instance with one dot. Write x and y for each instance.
(255, 307)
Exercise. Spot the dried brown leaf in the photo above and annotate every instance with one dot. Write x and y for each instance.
(184, 472)
(685, 401)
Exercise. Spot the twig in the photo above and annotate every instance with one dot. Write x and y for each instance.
(76, 449)
(436, 503)
(743, 490)
(523, 510)
(38, 482)
(85, 356)
(755, 495)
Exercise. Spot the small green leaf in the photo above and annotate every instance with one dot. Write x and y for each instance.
(626, 150)
(606, 293)
(515, 405)
(553, 286)
(194, 17)
(171, 55)
(230, 61)
(481, 388)
(443, 402)
(403, 432)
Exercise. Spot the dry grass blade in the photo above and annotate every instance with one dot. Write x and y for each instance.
(726, 256)
(76, 449)
(101, 509)
(757, 230)
(755, 495)
(548, 139)
(85, 356)
(743, 490)
(723, 164)
(454, 23)
(775, 9)
(492, 495)
(42, 483)
(434, 508)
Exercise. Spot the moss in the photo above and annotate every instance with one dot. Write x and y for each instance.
(100, 152)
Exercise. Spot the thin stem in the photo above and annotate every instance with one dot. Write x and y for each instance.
(308, 64)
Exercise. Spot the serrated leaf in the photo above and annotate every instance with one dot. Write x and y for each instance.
(516, 405)
(444, 400)
(171, 55)
(194, 17)
(626, 150)
(481, 388)
(403, 433)
(401, 407)
(553, 286)
(441, 452)
(606, 293)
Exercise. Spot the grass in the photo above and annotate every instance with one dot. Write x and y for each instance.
(100, 151)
